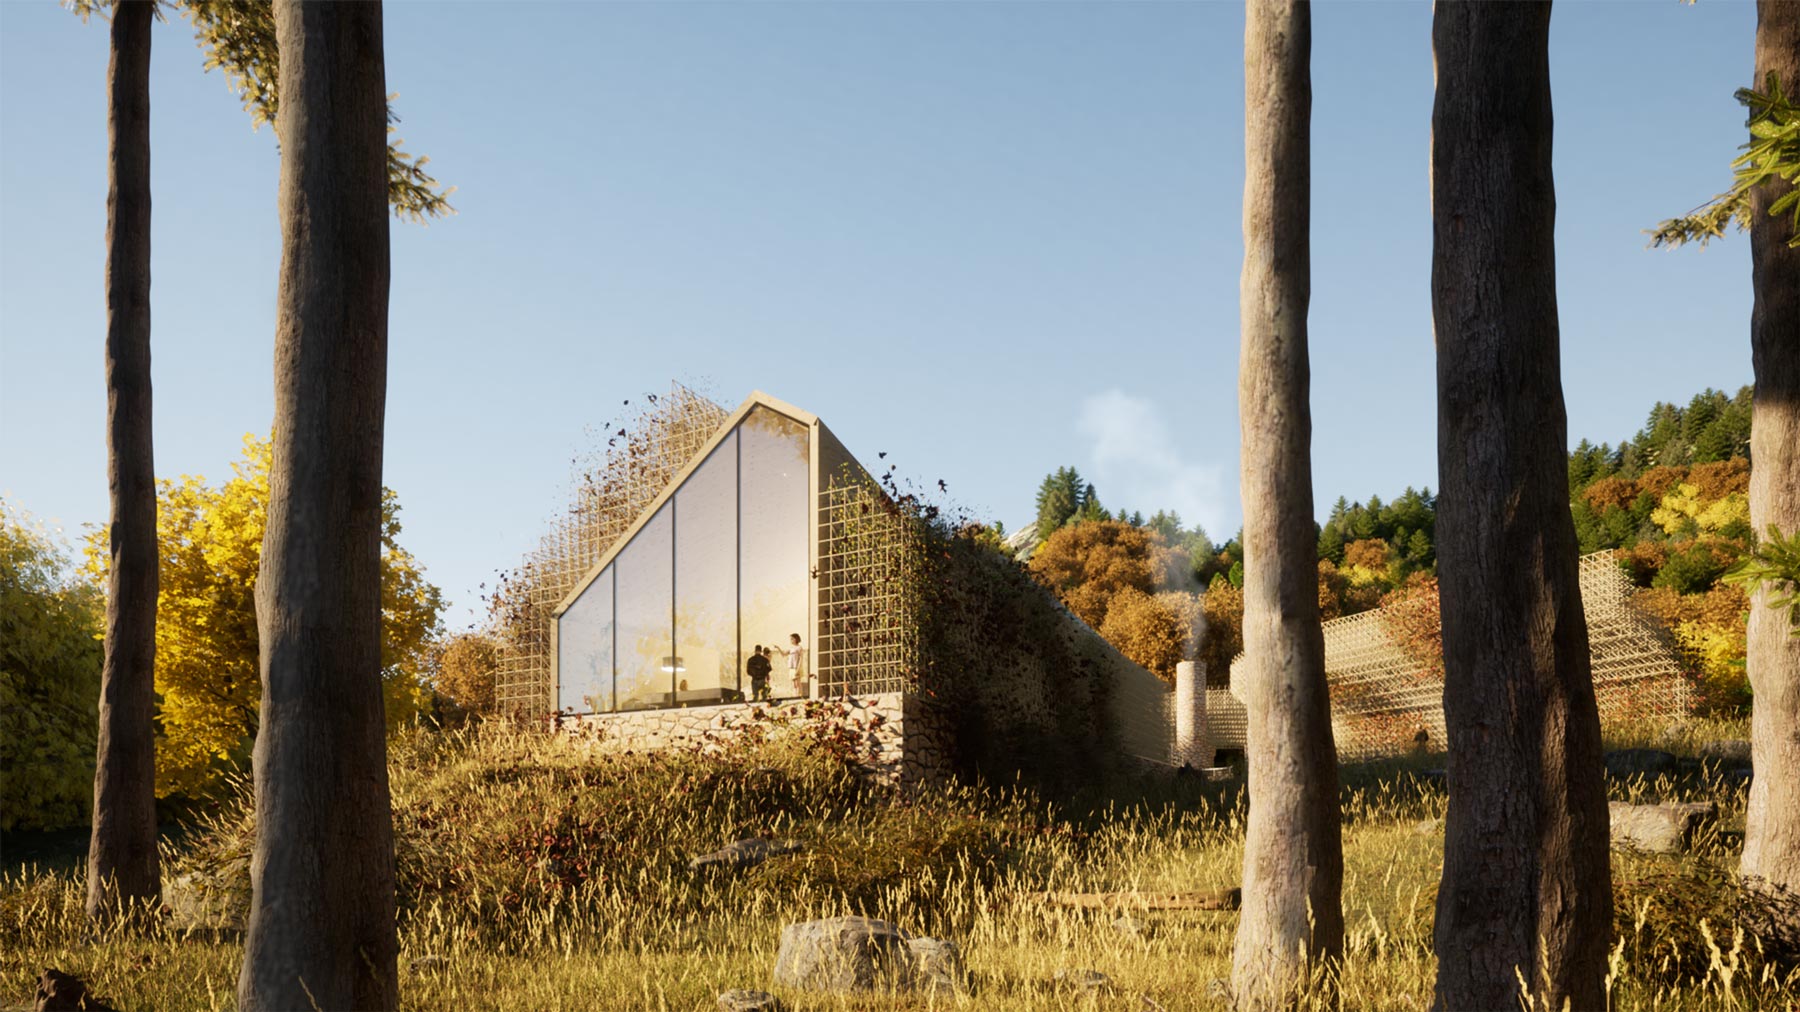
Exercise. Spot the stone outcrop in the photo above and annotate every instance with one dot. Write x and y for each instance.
(1658, 829)
(843, 954)
(741, 855)
(864, 954)
(742, 1000)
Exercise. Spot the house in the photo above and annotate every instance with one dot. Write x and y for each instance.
(763, 530)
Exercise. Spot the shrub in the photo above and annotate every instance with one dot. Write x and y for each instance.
(50, 657)
(1154, 631)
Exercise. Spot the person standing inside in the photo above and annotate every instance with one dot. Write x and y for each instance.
(796, 658)
(759, 669)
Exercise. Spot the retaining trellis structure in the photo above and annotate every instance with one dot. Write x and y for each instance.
(1385, 702)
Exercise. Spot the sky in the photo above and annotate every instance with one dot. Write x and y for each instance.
(987, 239)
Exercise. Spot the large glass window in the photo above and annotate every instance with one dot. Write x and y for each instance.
(772, 548)
(584, 649)
(646, 662)
(723, 566)
(706, 580)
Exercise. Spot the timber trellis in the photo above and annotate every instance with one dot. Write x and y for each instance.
(869, 584)
(1381, 700)
(611, 488)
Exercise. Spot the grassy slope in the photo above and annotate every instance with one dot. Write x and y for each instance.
(535, 874)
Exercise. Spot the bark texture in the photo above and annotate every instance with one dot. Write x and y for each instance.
(321, 931)
(1291, 921)
(122, 862)
(1526, 885)
(1772, 820)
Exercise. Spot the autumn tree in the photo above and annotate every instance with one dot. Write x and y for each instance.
(1526, 890)
(211, 538)
(463, 669)
(1291, 928)
(1772, 818)
(123, 870)
(321, 927)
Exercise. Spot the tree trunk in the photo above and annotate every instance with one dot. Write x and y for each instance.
(122, 862)
(1291, 923)
(1526, 885)
(321, 932)
(1772, 821)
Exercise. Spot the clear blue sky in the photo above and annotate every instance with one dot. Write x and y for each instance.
(989, 239)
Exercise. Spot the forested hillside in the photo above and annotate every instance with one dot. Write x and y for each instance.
(1670, 501)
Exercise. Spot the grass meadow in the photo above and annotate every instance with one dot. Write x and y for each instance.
(536, 872)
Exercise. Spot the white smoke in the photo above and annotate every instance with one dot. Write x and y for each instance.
(1138, 464)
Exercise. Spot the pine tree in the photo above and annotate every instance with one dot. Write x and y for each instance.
(1059, 498)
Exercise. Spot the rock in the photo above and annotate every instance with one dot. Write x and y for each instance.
(1730, 752)
(1085, 981)
(843, 954)
(743, 854)
(936, 965)
(64, 992)
(1131, 927)
(1631, 762)
(742, 1000)
(1657, 829)
(215, 898)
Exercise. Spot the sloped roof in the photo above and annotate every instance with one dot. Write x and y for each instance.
(756, 399)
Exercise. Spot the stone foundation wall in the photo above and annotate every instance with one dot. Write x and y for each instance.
(900, 744)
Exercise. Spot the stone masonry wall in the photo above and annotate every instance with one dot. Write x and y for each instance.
(900, 744)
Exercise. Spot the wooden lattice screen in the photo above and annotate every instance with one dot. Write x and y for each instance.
(612, 487)
(869, 576)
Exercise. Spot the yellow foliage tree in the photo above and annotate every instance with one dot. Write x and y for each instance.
(207, 676)
(463, 669)
(1686, 511)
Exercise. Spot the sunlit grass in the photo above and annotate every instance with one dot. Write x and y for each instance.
(538, 873)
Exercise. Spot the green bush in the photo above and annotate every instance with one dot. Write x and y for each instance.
(50, 656)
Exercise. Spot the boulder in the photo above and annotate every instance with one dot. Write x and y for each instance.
(1631, 762)
(742, 1000)
(1658, 829)
(741, 855)
(210, 897)
(1131, 927)
(1730, 752)
(843, 954)
(936, 965)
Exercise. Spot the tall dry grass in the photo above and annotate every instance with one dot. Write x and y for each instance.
(541, 873)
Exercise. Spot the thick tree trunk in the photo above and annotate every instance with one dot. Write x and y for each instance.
(321, 931)
(1526, 887)
(1772, 821)
(122, 863)
(1291, 922)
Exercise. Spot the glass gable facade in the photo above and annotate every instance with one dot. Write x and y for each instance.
(722, 567)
